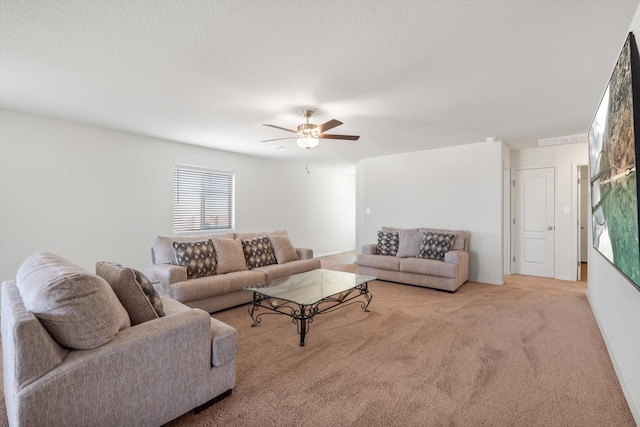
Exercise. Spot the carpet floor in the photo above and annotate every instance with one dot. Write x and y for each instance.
(528, 353)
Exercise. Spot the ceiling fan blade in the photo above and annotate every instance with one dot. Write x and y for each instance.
(278, 139)
(347, 137)
(326, 126)
(281, 128)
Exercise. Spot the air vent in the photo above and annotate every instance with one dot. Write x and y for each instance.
(571, 139)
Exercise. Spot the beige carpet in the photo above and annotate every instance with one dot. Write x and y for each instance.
(528, 353)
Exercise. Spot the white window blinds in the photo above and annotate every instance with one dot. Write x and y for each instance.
(203, 199)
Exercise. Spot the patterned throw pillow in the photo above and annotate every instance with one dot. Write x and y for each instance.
(197, 257)
(435, 245)
(388, 242)
(134, 290)
(150, 292)
(258, 252)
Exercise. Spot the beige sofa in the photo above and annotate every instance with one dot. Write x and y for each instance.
(404, 256)
(81, 349)
(238, 261)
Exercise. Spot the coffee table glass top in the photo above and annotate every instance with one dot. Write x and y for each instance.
(310, 287)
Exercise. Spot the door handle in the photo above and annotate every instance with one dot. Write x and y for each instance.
(549, 228)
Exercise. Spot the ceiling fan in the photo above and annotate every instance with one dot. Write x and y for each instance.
(308, 134)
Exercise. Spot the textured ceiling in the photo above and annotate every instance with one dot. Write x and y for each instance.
(405, 75)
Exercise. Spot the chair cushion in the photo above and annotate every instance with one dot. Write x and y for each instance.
(134, 290)
(78, 309)
(388, 243)
(283, 249)
(435, 245)
(258, 252)
(197, 257)
(229, 255)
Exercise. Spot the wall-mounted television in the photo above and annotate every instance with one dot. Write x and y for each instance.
(613, 161)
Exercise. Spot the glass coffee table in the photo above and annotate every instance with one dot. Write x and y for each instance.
(305, 295)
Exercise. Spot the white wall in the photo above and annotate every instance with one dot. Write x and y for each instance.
(565, 159)
(455, 188)
(616, 305)
(92, 194)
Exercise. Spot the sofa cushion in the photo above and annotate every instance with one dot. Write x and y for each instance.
(377, 261)
(200, 288)
(435, 245)
(283, 249)
(253, 234)
(388, 243)
(277, 271)
(429, 267)
(134, 290)
(229, 255)
(461, 237)
(197, 257)
(409, 246)
(258, 252)
(396, 229)
(78, 309)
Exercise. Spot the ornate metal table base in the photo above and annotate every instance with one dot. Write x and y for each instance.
(302, 315)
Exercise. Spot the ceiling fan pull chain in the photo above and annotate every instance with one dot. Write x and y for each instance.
(307, 166)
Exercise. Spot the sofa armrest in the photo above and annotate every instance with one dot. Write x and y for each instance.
(166, 274)
(153, 371)
(457, 257)
(304, 253)
(224, 341)
(462, 259)
(28, 350)
(370, 249)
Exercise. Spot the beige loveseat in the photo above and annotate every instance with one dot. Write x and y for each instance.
(81, 349)
(227, 263)
(425, 257)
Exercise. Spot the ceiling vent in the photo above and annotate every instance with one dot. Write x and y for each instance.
(571, 139)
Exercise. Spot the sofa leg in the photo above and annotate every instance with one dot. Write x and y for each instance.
(211, 402)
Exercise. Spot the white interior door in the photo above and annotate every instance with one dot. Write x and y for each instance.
(533, 222)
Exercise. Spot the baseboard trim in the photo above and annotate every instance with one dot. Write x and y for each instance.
(632, 407)
(333, 253)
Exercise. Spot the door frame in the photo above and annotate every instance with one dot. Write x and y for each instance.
(576, 215)
(555, 215)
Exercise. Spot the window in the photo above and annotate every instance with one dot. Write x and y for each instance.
(203, 199)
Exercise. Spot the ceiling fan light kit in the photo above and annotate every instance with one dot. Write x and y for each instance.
(308, 134)
(308, 142)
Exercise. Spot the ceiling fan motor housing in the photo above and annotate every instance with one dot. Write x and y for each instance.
(307, 129)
